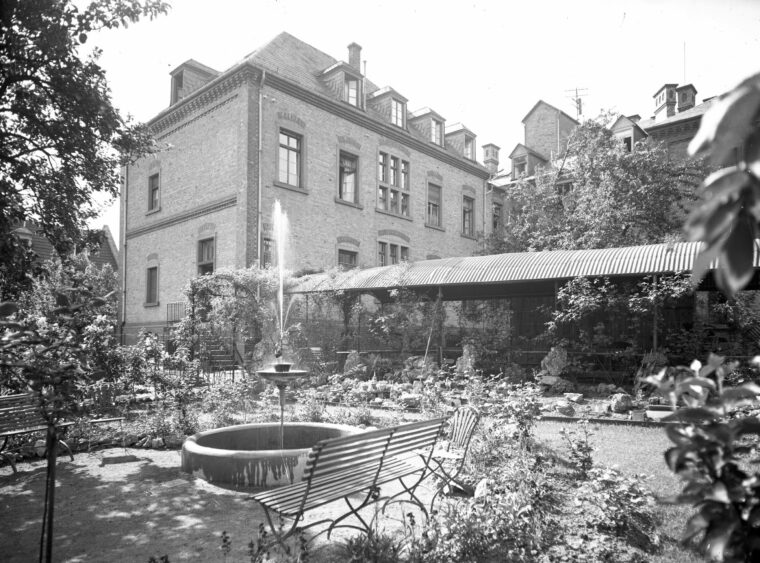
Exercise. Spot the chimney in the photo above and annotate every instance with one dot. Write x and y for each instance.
(491, 157)
(686, 97)
(665, 102)
(355, 56)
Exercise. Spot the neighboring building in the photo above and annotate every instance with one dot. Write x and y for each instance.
(363, 181)
(546, 131)
(105, 253)
(675, 120)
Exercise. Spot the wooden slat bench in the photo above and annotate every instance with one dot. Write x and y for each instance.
(352, 465)
(20, 414)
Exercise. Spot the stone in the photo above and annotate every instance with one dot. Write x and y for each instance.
(562, 386)
(131, 439)
(410, 400)
(621, 403)
(574, 397)
(564, 407)
(606, 388)
(39, 448)
(173, 442)
(548, 380)
(157, 443)
(466, 362)
(483, 488)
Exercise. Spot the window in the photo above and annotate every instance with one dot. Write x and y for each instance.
(469, 148)
(351, 90)
(627, 144)
(468, 215)
(347, 259)
(206, 256)
(393, 192)
(382, 253)
(388, 253)
(266, 252)
(496, 216)
(347, 178)
(151, 286)
(397, 112)
(289, 169)
(434, 205)
(436, 132)
(520, 167)
(153, 187)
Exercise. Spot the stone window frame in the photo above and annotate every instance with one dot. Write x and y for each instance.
(341, 196)
(391, 253)
(353, 263)
(154, 192)
(468, 216)
(151, 286)
(394, 185)
(433, 205)
(497, 216)
(203, 265)
(300, 158)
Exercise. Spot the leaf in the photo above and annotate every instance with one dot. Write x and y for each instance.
(696, 524)
(723, 185)
(717, 538)
(710, 221)
(718, 493)
(727, 123)
(735, 265)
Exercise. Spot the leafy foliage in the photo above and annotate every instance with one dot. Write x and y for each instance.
(711, 441)
(617, 198)
(61, 139)
(726, 221)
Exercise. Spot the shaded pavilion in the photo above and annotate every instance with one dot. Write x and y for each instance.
(530, 280)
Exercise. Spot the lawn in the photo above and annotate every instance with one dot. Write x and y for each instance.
(635, 450)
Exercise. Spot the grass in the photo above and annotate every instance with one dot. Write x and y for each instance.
(636, 450)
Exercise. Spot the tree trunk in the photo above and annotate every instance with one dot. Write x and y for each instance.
(46, 542)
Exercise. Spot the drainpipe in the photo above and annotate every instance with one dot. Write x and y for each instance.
(123, 237)
(654, 318)
(260, 186)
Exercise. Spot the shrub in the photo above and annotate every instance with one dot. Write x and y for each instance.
(579, 447)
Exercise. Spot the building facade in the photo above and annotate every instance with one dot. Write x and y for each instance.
(363, 181)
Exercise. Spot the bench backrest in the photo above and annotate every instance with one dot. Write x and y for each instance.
(366, 452)
(18, 412)
(462, 426)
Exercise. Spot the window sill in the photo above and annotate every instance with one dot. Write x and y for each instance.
(156, 304)
(392, 214)
(152, 211)
(348, 203)
(436, 227)
(291, 188)
(471, 237)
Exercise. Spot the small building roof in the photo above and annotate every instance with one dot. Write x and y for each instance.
(539, 102)
(693, 113)
(506, 269)
(529, 150)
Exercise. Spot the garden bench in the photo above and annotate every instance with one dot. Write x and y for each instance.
(20, 414)
(356, 465)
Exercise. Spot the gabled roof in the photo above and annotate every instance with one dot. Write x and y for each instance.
(538, 103)
(386, 90)
(528, 149)
(629, 120)
(197, 66)
(457, 127)
(422, 112)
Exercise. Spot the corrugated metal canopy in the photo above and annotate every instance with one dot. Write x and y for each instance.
(513, 268)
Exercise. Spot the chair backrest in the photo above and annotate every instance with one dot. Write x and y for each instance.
(18, 412)
(365, 452)
(462, 427)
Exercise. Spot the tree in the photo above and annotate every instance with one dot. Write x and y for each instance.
(61, 138)
(614, 198)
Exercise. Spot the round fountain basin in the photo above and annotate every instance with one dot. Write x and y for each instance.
(249, 455)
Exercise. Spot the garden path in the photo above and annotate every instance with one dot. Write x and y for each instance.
(130, 511)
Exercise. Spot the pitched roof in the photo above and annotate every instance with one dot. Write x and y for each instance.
(528, 149)
(514, 268)
(539, 102)
(693, 113)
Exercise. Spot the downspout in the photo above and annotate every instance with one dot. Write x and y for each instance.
(654, 317)
(259, 182)
(123, 237)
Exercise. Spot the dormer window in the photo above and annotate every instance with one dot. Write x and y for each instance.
(351, 90)
(398, 112)
(469, 148)
(436, 132)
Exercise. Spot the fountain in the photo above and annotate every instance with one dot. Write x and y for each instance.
(261, 455)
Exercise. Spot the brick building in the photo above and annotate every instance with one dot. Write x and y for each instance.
(363, 180)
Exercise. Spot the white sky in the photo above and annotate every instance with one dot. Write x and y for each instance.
(481, 62)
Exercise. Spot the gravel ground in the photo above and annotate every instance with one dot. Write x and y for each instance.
(130, 504)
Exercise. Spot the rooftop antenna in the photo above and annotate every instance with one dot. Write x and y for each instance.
(684, 62)
(575, 96)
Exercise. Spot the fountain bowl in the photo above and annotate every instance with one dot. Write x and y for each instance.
(249, 455)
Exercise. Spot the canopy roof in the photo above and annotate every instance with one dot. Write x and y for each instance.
(477, 273)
